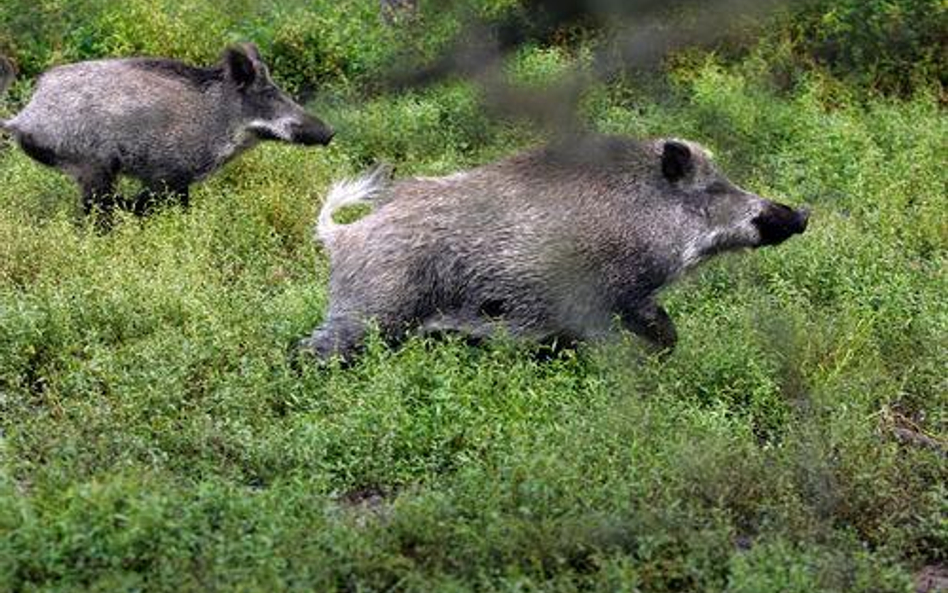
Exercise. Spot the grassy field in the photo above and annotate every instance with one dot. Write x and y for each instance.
(154, 434)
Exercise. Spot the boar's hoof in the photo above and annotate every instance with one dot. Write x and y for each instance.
(341, 341)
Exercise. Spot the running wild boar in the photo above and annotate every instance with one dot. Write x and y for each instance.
(554, 244)
(159, 120)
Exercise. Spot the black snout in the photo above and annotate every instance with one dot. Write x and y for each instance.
(312, 132)
(777, 223)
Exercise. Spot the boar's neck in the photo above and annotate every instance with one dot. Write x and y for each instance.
(224, 127)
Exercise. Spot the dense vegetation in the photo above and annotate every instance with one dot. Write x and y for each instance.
(154, 434)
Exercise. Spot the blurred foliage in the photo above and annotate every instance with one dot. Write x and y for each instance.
(890, 46)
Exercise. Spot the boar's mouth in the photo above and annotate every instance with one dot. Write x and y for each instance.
(777, 223)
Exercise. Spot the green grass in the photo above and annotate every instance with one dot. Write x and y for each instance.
(154, 434)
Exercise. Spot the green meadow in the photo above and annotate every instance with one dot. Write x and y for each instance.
(157, 434)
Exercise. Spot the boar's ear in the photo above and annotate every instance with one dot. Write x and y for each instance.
(239, 67)
(676, 160)
(251, 50)
(254, 54)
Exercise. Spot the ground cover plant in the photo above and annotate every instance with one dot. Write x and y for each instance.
(156, 435)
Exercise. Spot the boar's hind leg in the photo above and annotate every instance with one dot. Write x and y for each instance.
(96, 183)
(337, 337)
(650, 321)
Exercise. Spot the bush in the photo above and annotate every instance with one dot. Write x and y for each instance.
(887, 45)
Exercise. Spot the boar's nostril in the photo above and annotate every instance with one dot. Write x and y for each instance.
(803, 217)
(778, 222)
(313, 133)
(328, 135)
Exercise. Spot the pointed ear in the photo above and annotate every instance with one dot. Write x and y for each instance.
(251, 50)
(239, 67)
(676, 160)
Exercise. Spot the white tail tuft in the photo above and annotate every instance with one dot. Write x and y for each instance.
(347, 193)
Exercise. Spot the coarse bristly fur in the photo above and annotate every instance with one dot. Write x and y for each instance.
(164, 122)
(551, 244)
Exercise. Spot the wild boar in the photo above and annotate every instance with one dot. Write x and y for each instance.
(155, 119)
(554, 244)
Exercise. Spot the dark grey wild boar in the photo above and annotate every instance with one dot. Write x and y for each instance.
(158, 120)
(553, 244)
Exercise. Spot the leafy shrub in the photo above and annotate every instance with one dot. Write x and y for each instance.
(886, 45)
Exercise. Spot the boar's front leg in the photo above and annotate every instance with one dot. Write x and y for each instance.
(184, 196)
(339, 337)
(151, 194)
(650, 321)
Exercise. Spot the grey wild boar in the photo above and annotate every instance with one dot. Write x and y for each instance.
(159, 120)
(553, 244)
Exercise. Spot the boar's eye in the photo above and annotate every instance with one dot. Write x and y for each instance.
(717, 188)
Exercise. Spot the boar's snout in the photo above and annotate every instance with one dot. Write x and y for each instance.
(311, 131)
(778, 222)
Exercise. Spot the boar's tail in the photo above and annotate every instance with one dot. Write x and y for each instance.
(363, 190)
(7, 74)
